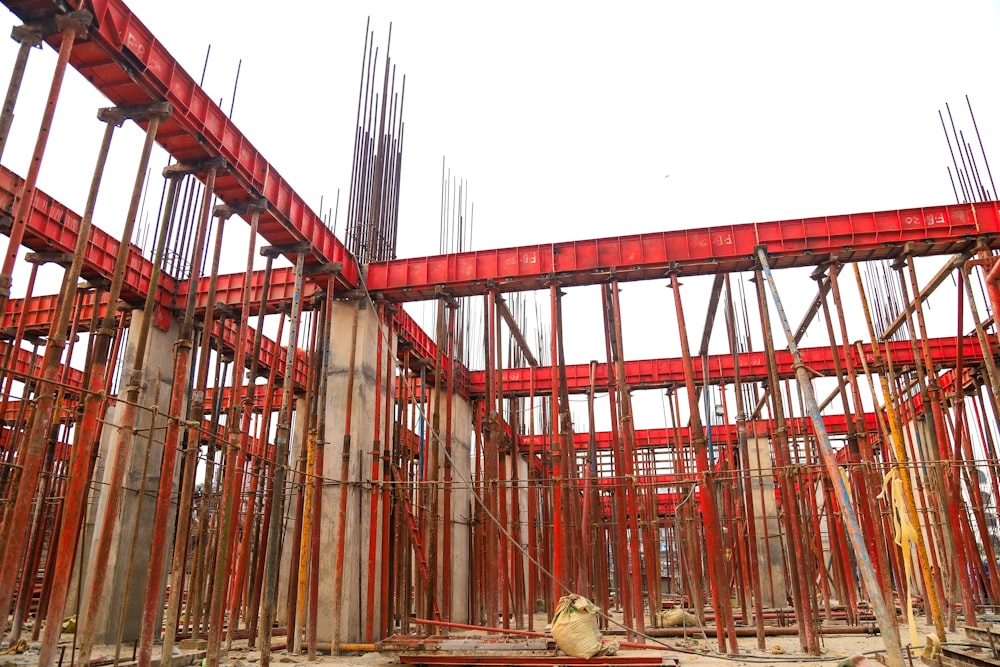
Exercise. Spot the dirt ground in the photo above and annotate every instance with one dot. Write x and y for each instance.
(696, 651)
(779, 650)
(835, 648)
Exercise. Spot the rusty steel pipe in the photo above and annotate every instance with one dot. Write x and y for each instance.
(323, 366)
(628, 455)
(793, 523)
(28, 481)
(27, 36)
(242, 554)
(234, 457)
(79, 464)
(280, 456)
(264, 434)
(123, 441)
(631, 609)
(9, 449)
(182, 360)
(896, 430)
(741, 440)
(716, 565)
(72, 26)
(386, 510)
(864, 563)
(448, 432)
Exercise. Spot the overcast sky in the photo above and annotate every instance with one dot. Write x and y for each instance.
(565, 118)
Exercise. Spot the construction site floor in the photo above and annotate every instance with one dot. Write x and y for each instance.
(694, 650)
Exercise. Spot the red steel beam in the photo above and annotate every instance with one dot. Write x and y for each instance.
(668, 437)
(40, 310)
(229, 291)
(124, 61)
(25, 364)
(52, 228)
(660, 373)
(805, 242)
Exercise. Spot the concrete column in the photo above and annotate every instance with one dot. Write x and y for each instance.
(462, 509)
(136, 518)
(293, 486)
(356, 565)
(765, 513)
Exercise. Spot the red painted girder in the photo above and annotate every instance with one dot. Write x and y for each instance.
(724, 433)
(64, 415)
(660, 373)
(270, 352)
(229, 290)
(281, 288)
(53, 228)
(425, 348)
(41, 309)
(259, 394)
(27, 364)
(61, 453)
(63, 449)
(805, 242)
(124, 61)
(666, 503)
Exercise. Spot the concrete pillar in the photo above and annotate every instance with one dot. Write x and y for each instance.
(765, 513)
(293, 486)
(135, 517)
(462, 509)
(356, 565)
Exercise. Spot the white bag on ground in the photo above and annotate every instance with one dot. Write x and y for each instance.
(574, 628)
(673, 618)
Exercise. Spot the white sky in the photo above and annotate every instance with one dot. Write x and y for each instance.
(566, 117)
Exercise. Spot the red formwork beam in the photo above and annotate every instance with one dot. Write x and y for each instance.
(227, 400)
(40, 310)
(660, 373)
(124, 61)
(668, 437)
(53, 228)
(270, 352)
(229, 290)
(933, 230)
(25, 364)
(281, 286)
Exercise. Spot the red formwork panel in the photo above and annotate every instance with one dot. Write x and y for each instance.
(54, 228)
(229, 290)
(669, 437)
(25, 363)
(811, 241)
(658, 373)
(39, 311)
(124, 60)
